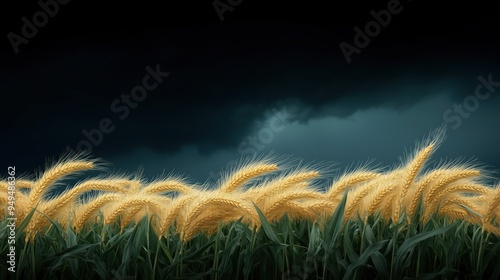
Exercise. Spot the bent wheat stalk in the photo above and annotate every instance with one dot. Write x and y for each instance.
(133, 201)
(258, 194)
(449, 176)
(350, 180)
(89, 209)
(166, 186)
(55, 173)
(493, 205)
(245, 174)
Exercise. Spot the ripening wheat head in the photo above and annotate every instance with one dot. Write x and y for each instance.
(273, 205)
(136, 213)
(364, 199)
(284, 181)
(212, 202)
(247, 172)
(463, 201)
(174, 209)
(462, 186)
(413, 168)
(53, 174)
(86, 211)
(421, 185)
(150, 202)
(57, 208)
(443, 180)
(167, 185)
(349, 180)
(492, 207)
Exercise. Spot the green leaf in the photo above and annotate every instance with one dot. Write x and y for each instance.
(266, 226)
(407, 247)
(380, 263)
(363, 258)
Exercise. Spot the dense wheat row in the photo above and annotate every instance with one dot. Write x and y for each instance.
(454, 190)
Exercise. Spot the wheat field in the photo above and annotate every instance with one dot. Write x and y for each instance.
(454, 190)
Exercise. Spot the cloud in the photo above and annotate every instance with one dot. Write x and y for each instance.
(383, 134)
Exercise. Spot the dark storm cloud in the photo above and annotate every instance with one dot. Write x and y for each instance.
(381, 135)
(224, 77)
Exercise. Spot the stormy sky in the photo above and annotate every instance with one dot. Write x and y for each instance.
(189, 87)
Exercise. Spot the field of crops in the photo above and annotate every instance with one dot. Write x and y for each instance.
(262, 220)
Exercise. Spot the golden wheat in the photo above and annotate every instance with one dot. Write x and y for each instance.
(459, 187)
(272, 206)
(448, 177)
(166, 186)
(24, 184)
(92, 206)
(452, 190)
(415, 166)
(353, 201)
(207, 223)
(380, 194)
(492, 206)
(454, 213)
(258, 194)
(350, 180)
(55, 173)
(245, 174)
(173, 210)
(135, 200)
(207, 205)
(137, 213)
(422, 185)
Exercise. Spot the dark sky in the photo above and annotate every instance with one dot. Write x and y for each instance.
(270, 77)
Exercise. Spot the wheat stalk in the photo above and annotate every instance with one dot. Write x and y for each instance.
(460, 200)
(24, 184)
(492, 206)
(55, 173)
(422, 185)
(349, 180)
(223, 201)
(454, 213)
(258, 194)
(245, 174)
(52, 207)
(208, 223)
(166, 186)
(449, 176)
(133, 201)
(92, 206)
(173, 209)
(415, 166)
(458, 187)
(272, 205)
(379, 195)
(353, 200)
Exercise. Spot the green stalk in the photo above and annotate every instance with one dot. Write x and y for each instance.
(362, 247)
(418, 261)
(481, 252)
(393, 251)
(216, 255)
(21, 258)
(156, 257)
(33, 258)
